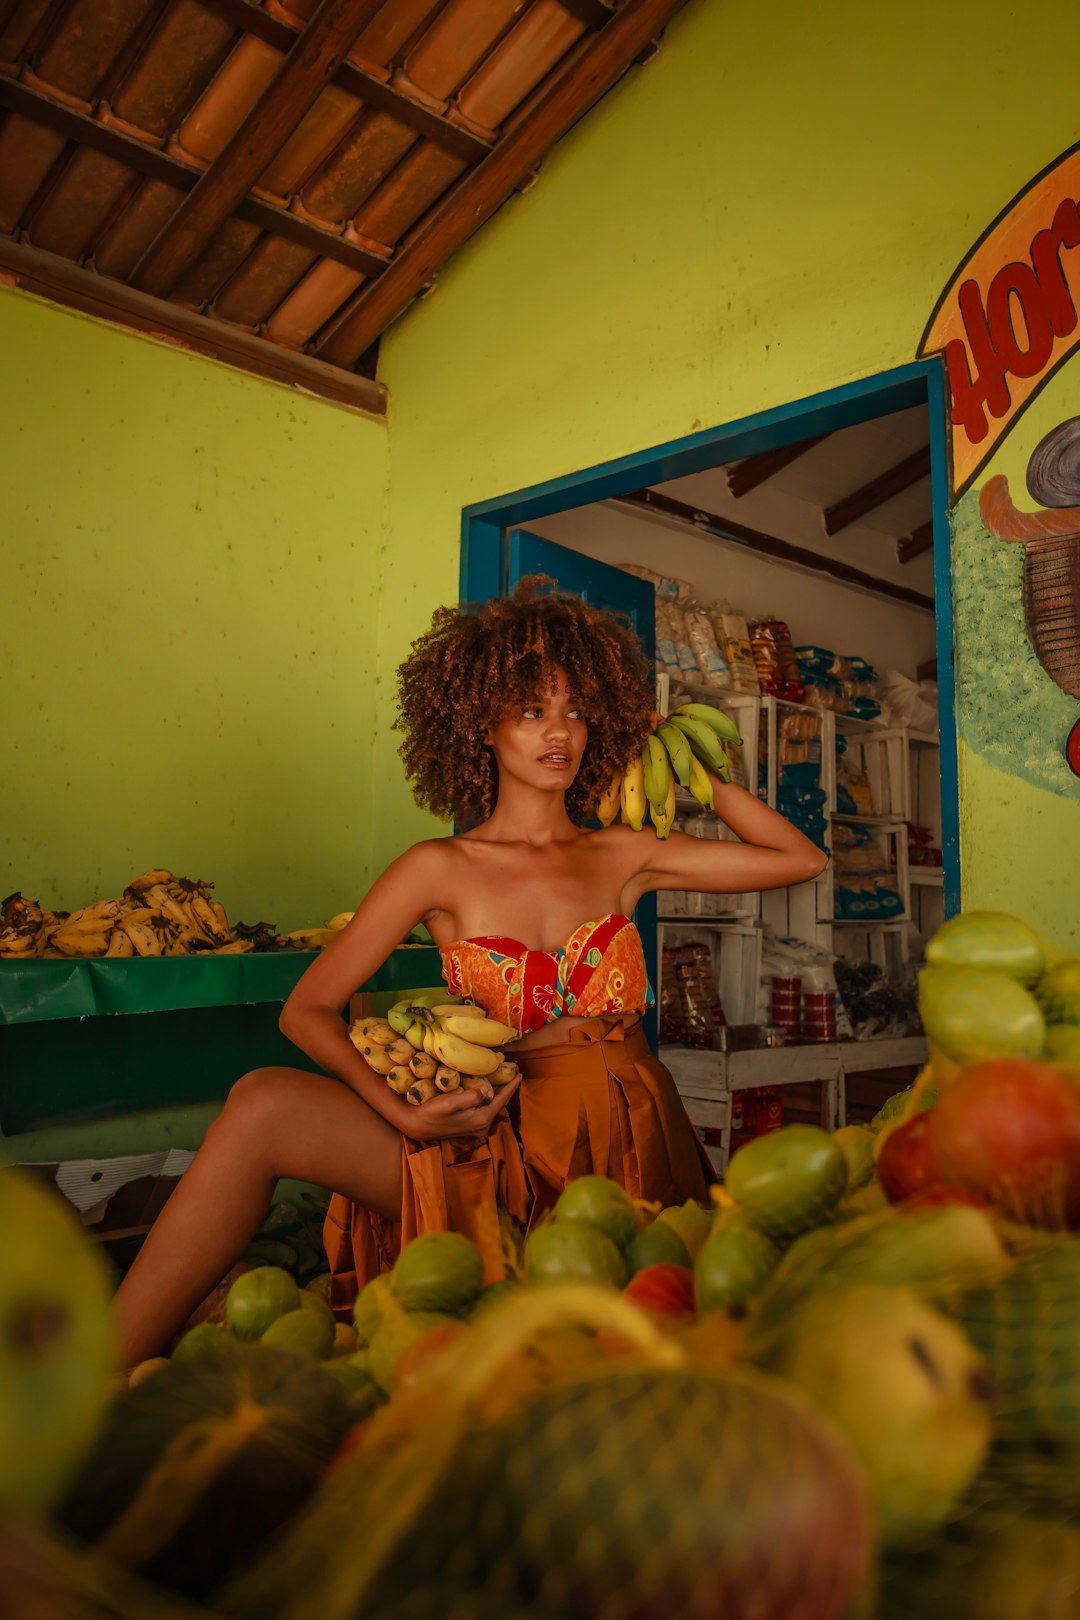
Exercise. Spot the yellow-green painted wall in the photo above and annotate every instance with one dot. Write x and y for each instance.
(189, 633)
(769, 209)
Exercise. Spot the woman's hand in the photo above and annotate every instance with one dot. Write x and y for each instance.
(458, 1113)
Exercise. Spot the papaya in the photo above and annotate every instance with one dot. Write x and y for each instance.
(194, 1468)
(599, 1202)
(788, 1180)
(438, 1271)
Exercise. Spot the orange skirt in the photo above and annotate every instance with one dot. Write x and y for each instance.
(598, 1103)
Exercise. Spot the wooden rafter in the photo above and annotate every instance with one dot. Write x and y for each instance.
(747, 475)
(56, 278)
(915, 543)
(260, 136)
(770, 545)
(158, 165)
(878, 491)
(591, 70)
(372, 91)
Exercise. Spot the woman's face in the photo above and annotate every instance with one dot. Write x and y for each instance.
(542, 743)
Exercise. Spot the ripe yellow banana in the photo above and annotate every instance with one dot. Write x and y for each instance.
(340, 919)
(147, 880)
(101, 912)
(400, 1050)
(311, 939)
(120, 943)
(459, 1053)
(400, 1078)
(421, 1091)
(423, 1066)
(482, 1031)
(632, 794)
(17, 942)
(142, 937)
(664, 819)
(656, 768)
(415, 1035)
(377, 1058)
(208, 920)
(477, 1082)
(506, 1072)
(181, 917)
(453, 1009)
(608, 806)
(446, 1078)
(235, 947)
(378, 1031)
(700, 785)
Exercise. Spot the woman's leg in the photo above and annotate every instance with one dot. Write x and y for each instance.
(275, 1122)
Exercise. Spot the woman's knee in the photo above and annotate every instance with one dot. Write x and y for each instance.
(263, 1100)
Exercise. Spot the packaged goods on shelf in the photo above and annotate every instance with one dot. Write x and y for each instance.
(703, 1016)
(879, 1007)
(733, 638)
(775, 661)
(909, 703)
(710, 659)
(843, 682)
(922, 851)
(667, 589)
(672, 1018)
(755, 1112)
(797, 980)
(667, 657)
(865, 884)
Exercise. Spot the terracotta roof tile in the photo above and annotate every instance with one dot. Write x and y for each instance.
(87, 191)
(129, 131)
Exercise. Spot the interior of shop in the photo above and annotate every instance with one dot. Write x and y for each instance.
(795, 589)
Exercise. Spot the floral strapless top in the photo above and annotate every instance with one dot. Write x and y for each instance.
(600, 969)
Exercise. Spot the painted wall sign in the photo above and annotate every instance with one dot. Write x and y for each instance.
(1008, 317)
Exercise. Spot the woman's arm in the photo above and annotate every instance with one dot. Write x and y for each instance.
(771, 855)
(311, 1018)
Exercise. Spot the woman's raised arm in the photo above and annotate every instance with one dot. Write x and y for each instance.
(771, 853)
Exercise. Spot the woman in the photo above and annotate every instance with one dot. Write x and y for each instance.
(516, 717)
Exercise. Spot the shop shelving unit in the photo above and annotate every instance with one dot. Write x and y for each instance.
(904, 783)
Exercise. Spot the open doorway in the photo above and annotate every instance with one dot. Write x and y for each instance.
(800, 570)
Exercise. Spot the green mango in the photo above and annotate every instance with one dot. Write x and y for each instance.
(993, 940)
(788, 1180)
(973, 1014)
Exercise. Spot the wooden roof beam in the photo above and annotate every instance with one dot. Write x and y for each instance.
(747, 475)
(590, 71)
(878, 491)
(914, 544)
(296, 86)
(48, 275)
(367, 87)
(770, 545)
(149, 160)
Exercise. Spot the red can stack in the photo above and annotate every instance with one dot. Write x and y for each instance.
(819, 1015)
(785, 1007)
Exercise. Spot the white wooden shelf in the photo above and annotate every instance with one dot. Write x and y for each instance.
(932, 876)
(867, 821)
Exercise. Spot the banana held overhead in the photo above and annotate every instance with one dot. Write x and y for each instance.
(694, 740)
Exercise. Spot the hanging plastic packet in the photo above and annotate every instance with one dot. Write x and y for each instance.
(712, 664)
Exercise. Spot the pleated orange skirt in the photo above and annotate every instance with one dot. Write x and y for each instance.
(598, 1103)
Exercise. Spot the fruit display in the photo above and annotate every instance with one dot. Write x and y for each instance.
(434, 1043)
(847, 1386)
(684, 748)
(158, 914)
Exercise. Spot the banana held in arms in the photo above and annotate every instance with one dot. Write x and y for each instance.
(656, 768)
(633, 794)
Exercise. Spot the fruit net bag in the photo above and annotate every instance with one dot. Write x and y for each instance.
(633, 1489)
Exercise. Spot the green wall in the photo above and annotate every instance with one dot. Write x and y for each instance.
(767, 210)
(187, 568)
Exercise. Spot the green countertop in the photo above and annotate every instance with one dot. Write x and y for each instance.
(40, 991)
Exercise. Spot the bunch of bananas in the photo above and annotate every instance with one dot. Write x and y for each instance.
(687, 745)
(158, 914)
(435, 1043)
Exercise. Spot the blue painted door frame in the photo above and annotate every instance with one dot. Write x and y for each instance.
(921, 382)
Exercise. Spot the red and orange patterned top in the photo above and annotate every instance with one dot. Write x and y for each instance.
(600, 969)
